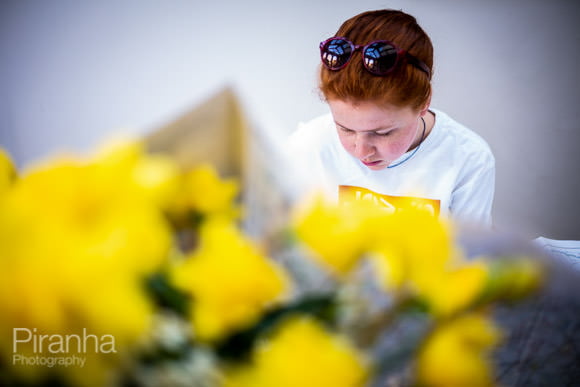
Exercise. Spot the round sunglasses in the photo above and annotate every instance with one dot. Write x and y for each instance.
(380, 57)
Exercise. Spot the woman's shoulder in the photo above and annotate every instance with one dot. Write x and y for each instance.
(317, 132)
(321, 125)
(463, 139)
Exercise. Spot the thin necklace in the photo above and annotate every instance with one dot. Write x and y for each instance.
(414, 151)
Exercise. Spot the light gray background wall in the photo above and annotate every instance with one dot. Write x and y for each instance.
(73, 72)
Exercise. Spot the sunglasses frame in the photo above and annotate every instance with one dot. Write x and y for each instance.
(401, 54)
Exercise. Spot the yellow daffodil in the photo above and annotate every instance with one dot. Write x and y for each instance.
(411, 249)
(454, 289)
(412, 242)
(456, 353)
(78, 237)
(410, 245)
(390, 267)
(204, 192)
(302, 353)
(423, 241)
(7, 171)
(158, 176)
(512, 278)
(230, 280)
(150, 176)
(414, 250)
(337, 234)
(92, 213)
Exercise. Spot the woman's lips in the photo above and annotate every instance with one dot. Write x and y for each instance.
(370, 164)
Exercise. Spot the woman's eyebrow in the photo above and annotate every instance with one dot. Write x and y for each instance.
(364, 131)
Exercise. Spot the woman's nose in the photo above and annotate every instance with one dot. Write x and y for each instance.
(363, 148)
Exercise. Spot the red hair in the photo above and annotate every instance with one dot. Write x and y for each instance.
(405, 86)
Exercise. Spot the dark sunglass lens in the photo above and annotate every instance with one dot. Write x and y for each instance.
(335, 53)
(380, 57)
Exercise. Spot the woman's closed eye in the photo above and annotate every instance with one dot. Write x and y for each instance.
(384, 134)
(345, 130)
(372, 133)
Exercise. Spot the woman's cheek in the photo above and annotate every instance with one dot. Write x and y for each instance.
(346, 142)
(395, 149)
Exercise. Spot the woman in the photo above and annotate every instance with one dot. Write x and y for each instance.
(382, 141)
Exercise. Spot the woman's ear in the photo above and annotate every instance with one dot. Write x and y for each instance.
(425, 107)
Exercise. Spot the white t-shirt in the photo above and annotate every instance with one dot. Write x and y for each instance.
(452, 173)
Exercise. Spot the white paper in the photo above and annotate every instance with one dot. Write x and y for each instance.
(565, 250)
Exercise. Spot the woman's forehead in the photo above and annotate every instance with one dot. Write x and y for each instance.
(368, 116)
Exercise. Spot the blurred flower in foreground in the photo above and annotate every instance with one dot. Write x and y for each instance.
(413, 251)
(204, 193)
(77, 239)
(513, 279)
(7, 171)
(153, 177)
(457, 353)
(106, 244)
(338, 235)
(229, 279)
(456, 288)
(411, 246)
(302, 353)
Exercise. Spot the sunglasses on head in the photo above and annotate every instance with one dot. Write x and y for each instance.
(379, 56)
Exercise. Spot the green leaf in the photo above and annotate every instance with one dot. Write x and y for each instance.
(239, 345)
(165, 295)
